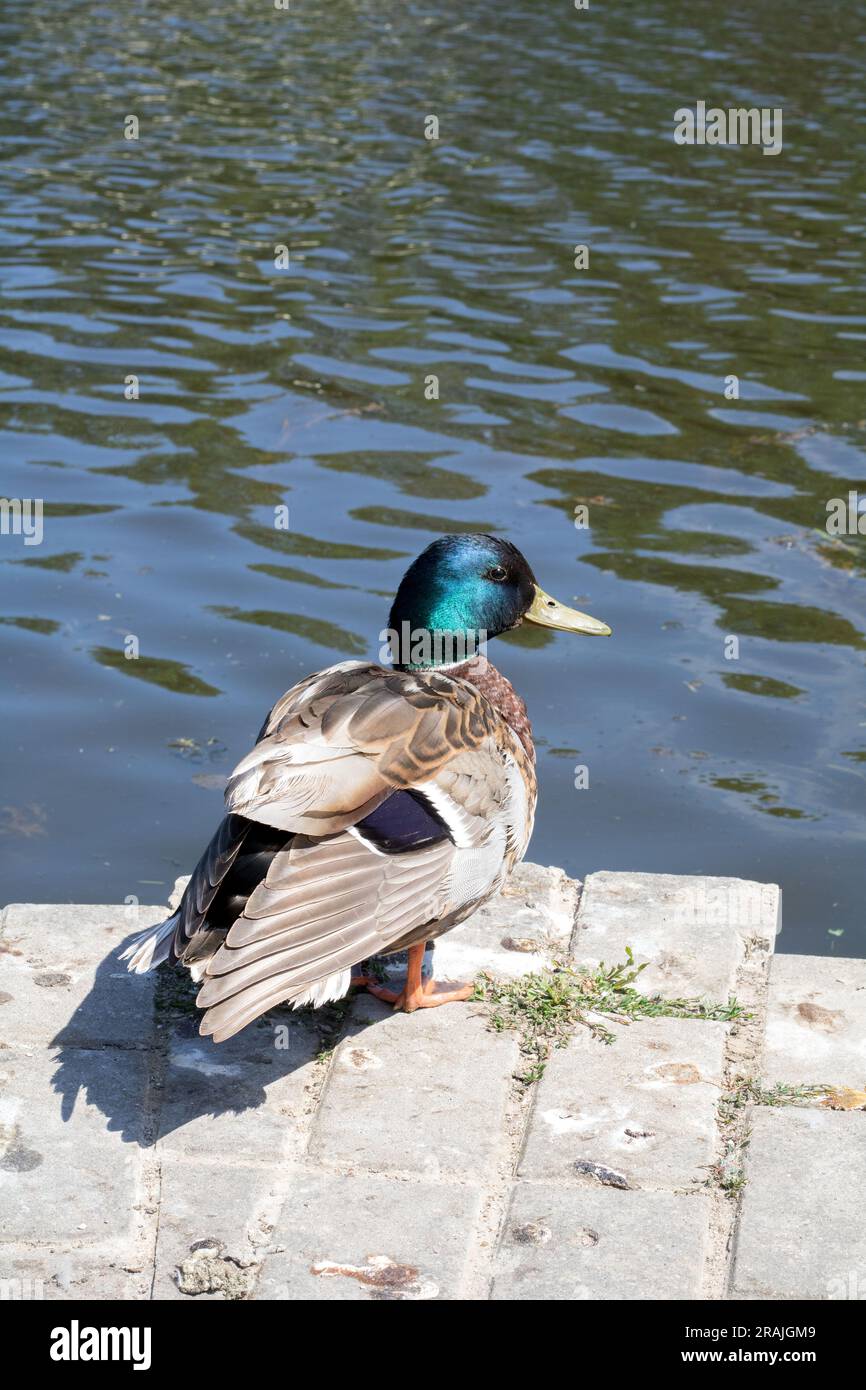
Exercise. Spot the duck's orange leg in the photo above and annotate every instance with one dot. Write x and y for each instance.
(418, 993)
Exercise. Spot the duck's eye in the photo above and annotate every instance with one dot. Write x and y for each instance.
(497, 573)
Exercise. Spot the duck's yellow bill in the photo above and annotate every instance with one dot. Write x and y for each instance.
(546, 612)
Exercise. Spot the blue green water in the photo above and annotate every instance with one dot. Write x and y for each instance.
(558, 388)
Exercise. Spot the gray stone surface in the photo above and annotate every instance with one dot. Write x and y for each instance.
(247, 1097)
(367, 1238)
(61, 980)
(801, 1232)
(692, 930)
(58, 1274)
(566, 1243)
(643, 1107)
(529, 924)
(139, 1160)
(69, 1157)
(225, 1208)
(428, 1098)
(816, 1022)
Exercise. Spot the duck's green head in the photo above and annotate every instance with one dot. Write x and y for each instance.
(464, 589)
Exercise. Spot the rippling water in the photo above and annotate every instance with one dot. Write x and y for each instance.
(559, 387)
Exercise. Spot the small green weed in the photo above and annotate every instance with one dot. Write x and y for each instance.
(546, 1007)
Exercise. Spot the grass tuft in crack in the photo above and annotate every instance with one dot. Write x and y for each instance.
(545, 1008)
(734, 1108)
(746, 1090)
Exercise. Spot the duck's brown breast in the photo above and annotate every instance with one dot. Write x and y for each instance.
(501, 693)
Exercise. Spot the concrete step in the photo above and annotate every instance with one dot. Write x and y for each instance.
(354, 1153)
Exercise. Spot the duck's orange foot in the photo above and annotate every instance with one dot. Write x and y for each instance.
(428, 995)
(361, 981)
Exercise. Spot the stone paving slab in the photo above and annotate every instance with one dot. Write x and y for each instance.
(246, 1097)
(219, 1212)
(367, 1238)
(61, 980)
(520, 931)
(67, 1172)
(61, 1274)
(138, 1159)
(428, 1098)
(692, 930)
(641, 1111)
(816, 1022)
(565, 1243)
(801, 1231)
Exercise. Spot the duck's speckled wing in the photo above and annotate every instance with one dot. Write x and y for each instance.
(336, 756)
(324, 906)
(335, 746)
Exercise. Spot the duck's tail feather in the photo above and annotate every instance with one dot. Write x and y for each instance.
(250, 1004)
(151, 947)
(323, 991)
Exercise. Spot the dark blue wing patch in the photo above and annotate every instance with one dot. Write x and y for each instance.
(404, 821)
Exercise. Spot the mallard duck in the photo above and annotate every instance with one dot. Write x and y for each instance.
(380, 806)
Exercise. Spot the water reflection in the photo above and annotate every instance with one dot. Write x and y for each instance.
(555, 388)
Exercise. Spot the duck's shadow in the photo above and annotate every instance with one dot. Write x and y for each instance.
(133, 1051)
